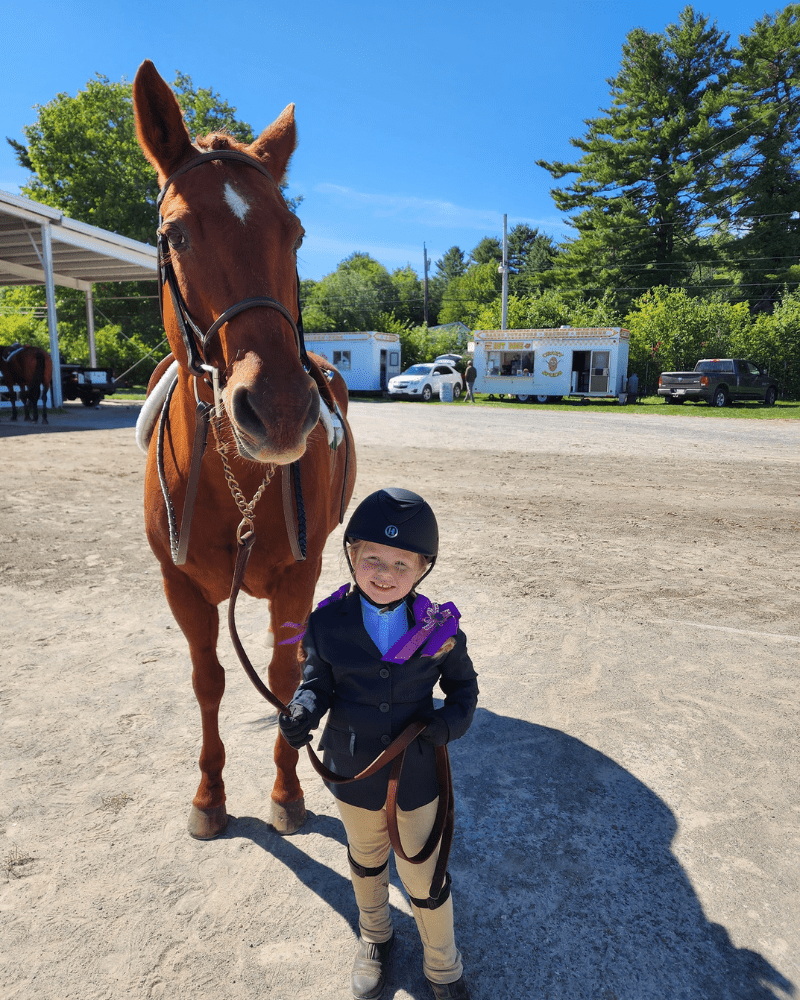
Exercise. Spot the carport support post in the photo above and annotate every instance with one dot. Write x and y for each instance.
(90, 327)
(52, 324)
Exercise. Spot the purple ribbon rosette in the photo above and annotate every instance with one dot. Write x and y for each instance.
(435, 624)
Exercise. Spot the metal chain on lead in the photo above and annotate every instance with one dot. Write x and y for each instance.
(247, 510)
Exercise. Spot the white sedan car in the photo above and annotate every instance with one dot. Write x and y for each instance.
(424, 380)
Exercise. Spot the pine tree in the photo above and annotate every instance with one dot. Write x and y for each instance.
(529, 254)
(649, 175)
(488, 251)
(451, 265)
(766, 88)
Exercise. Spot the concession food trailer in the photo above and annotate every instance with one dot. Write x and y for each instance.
(542, 365)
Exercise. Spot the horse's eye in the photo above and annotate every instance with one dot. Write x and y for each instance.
(298, 242)
(175, 237)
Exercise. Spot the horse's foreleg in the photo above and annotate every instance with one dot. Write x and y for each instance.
(199, 621)
(288, 804)
(13, 397)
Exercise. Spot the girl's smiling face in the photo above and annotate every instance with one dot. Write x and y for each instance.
(386, 574)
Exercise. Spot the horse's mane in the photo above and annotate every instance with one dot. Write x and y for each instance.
(219, 140)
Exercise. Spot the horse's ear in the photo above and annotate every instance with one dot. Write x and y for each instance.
(275, 145)
(159, 122)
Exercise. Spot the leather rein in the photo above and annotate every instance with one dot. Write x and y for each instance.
(196, 344)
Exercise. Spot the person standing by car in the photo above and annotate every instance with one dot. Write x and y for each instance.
(469, 377)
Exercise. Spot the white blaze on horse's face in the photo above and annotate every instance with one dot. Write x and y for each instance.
(236, 203)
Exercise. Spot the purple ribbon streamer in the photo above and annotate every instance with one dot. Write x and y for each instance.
(294, 638)
(337, 595)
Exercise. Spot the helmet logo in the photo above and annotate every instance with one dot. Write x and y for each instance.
(391, 531)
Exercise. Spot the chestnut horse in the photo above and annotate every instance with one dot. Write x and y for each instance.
(227, 247)
(31, 368)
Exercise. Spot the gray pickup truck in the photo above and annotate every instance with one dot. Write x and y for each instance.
(719, 381)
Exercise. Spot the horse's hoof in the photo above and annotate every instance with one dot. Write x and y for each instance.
(289, 818)
(205, 824)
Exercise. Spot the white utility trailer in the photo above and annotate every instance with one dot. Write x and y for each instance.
(366, 360)
(545, 364)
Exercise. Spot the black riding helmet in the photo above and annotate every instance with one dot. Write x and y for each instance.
(395, 517)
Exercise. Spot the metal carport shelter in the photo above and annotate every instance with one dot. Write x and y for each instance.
(41, 246)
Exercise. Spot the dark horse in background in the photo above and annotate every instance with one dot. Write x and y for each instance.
(227, 246)
(31, 368)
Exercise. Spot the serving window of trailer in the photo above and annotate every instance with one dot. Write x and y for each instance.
(342, 360)
(509, 362)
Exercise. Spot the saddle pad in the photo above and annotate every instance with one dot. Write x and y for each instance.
(148, 415)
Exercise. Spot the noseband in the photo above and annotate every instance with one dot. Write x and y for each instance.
(195, 341)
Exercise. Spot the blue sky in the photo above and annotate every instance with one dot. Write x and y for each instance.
(419, 123)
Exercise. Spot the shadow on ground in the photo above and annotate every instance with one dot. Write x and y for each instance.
(564, 883)
(567, 887)
(72, 417)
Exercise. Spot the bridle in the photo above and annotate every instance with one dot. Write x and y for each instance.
(196, 344)
(195, 341)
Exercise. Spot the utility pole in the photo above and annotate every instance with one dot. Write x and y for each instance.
(425, 283)
(503, 269)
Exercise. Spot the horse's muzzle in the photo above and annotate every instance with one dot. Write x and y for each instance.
(270, 428)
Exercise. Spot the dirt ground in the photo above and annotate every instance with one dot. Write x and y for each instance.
(627, 798)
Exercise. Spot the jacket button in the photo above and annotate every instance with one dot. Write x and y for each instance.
(384, 707)
(384, 672)
(386, 740)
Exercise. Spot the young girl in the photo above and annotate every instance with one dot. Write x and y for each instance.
(373, 656)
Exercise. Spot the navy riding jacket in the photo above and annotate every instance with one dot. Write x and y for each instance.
(371, 702)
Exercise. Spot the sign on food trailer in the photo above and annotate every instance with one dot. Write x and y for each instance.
(551, 363)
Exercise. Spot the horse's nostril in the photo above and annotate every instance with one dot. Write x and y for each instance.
(312, 416)
(244, 413)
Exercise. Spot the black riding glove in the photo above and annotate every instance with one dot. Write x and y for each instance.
(438, 732)
(296, 726)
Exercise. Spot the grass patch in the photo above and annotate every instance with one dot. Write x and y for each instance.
(783, 409)
(116, 803)
(134, 393)
(15, 862)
